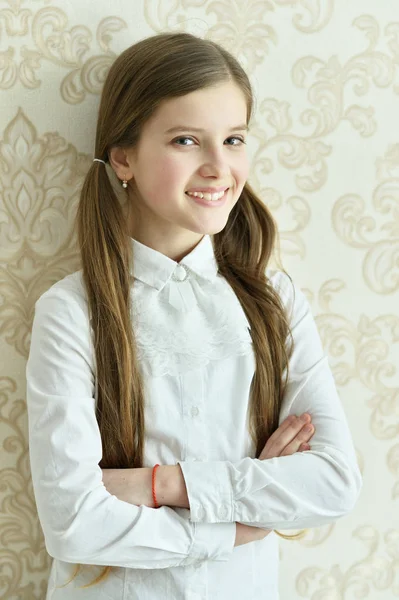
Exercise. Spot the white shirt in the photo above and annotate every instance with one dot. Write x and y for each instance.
(197, 360)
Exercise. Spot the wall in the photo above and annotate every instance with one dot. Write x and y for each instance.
(325, 158)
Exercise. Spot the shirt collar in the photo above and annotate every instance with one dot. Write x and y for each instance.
(155, 269)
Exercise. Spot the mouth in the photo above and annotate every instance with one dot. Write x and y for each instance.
(205, 198)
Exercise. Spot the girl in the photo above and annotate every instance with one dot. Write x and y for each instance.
(172, 380)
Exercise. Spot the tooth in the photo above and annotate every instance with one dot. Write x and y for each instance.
(207, 196)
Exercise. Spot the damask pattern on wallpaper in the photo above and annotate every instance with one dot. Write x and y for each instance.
(341, 65)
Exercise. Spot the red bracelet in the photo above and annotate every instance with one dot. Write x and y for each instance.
(153, 486)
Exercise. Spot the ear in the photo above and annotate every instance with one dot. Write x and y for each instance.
(119, 161)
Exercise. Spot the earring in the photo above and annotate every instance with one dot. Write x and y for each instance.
(124, 184)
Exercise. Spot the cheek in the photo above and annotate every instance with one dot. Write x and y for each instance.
(163, 180)
(243, 168)
(167, 172)
(154, 179)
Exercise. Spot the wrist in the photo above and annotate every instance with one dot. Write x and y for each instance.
(170, 487)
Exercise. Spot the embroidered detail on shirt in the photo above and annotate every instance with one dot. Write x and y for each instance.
(210, 325)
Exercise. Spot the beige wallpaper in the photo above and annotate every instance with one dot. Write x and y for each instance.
(325, 158)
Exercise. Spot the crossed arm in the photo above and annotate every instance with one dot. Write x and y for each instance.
(135, 485)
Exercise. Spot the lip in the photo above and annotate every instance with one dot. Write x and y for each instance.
(209, 190)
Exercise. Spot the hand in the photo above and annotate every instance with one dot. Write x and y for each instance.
(289, 438)
(292, 436)
(246, 534)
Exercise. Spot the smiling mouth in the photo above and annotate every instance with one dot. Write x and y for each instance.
(215, 197)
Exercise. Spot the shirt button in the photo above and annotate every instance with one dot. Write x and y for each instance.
(180, 273)
(194, 411)
(223, 511)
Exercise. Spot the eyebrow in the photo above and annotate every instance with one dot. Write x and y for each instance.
(243, 127)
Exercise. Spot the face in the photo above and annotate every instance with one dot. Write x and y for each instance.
(208, 152)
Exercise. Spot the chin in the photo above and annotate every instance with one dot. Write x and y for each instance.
(210, 226)
(209, 230)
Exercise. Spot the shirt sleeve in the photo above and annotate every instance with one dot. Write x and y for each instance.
(81, 521)
(306, 489)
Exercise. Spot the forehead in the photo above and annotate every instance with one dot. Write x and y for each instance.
(220, 106)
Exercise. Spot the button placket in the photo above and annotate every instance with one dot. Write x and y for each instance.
(194, 416)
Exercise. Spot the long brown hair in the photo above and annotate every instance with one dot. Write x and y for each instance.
(139, 79)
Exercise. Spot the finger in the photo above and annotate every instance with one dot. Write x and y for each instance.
(303, 447)
(304, 417)
(285, 434)
(290, 422)
(301, 438)
(281, 437)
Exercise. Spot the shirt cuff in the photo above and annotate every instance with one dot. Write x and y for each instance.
(213, 541)
(209, 491)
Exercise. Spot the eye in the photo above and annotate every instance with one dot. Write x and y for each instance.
(182, 138)
(240, 139)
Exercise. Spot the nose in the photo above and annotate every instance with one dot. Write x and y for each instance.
(216, 165)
